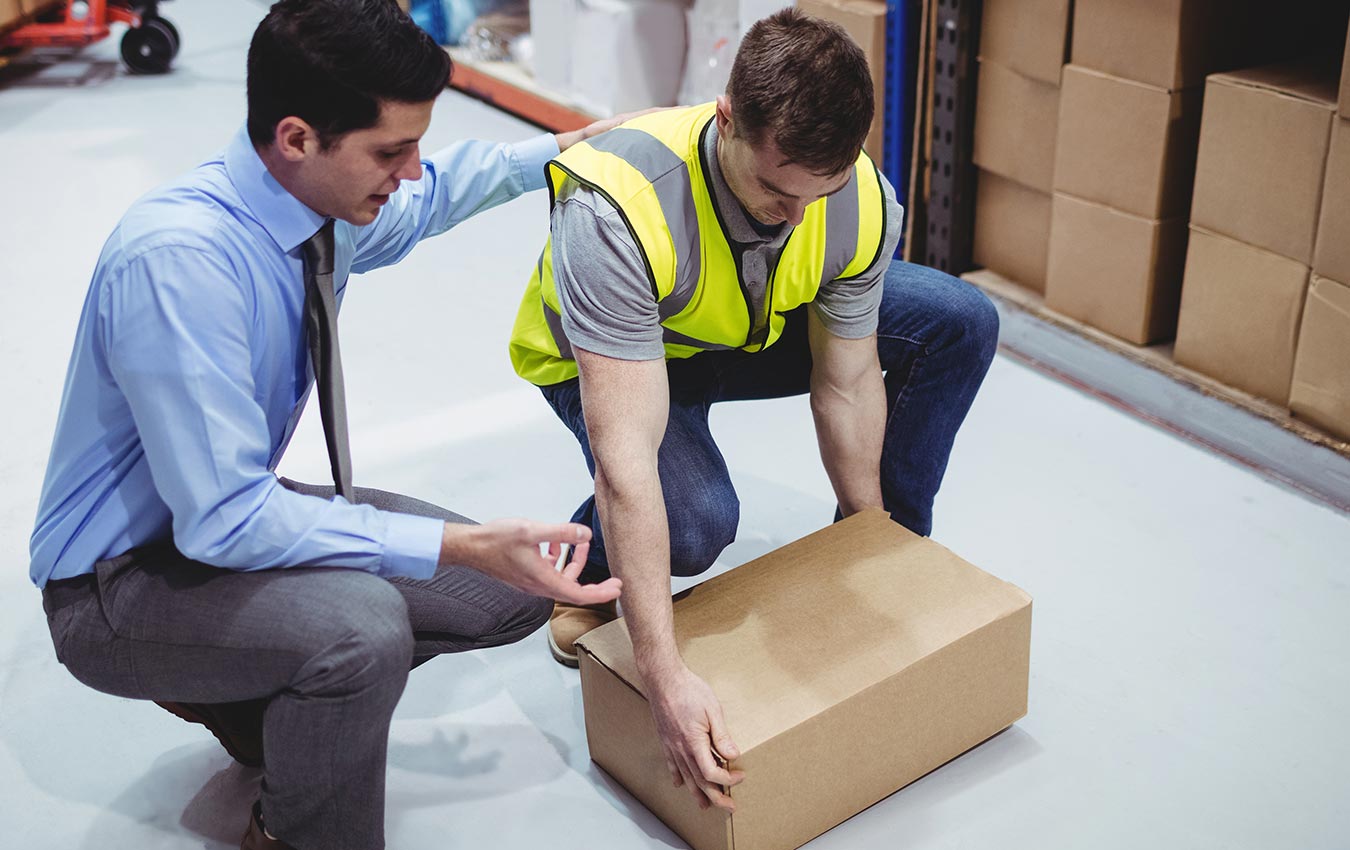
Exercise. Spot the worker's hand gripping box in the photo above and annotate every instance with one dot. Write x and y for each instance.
(849, 664)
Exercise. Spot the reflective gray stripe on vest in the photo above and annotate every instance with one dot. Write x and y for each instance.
(841, 224)
(677, 338)
(669, 176)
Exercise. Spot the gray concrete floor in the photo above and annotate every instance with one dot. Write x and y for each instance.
(1189, 683)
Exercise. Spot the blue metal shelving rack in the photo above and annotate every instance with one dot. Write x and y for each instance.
(902, 64)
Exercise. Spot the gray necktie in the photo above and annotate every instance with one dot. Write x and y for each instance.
(321, 331)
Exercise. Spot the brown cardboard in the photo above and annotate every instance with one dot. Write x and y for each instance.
(1117, 272)
(1240, 311)
(837, 692)
(1332, 258)
(1012, 229)
(1015, 120)
(1127, 145)
(1029, 36)
(12, 14)
(1321, 387)
(865, 21)
(1263, 151)
(1171, 44)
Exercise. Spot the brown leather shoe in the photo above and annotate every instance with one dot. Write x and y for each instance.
(237, 725)
(256, 837)
(570, 622)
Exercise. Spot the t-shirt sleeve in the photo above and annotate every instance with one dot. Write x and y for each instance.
(608, 306)
(849, 308)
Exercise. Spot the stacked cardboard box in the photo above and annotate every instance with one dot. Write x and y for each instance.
(1320, 391)
(1128, 125)
(1022, 51)
(1128, 130)
(1259, 180)
(865, 21)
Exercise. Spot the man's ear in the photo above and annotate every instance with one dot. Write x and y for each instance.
(724, 127)
(295, 140)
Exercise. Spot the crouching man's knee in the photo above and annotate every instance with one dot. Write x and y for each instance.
(699, 532)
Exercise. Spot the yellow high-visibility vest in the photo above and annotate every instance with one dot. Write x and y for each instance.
(652, 170)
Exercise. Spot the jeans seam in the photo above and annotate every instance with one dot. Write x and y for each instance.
(902, 397)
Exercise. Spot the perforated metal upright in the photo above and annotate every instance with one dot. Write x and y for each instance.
(951, 197)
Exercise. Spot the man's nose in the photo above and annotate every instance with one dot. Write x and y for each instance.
(411, 168)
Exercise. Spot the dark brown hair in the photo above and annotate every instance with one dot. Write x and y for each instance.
(803, 83)
(332, 62)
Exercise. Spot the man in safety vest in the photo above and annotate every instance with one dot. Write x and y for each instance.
(737, 250)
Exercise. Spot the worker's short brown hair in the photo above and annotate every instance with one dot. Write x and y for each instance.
(803, 83)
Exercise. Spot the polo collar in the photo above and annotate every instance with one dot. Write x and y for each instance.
(734, 217)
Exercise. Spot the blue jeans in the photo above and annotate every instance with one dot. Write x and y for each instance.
(936, 338)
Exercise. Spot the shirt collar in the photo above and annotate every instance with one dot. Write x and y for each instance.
(288, 221)
(737, 220)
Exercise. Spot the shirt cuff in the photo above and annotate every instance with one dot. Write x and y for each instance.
(412, 546)
(531, 157)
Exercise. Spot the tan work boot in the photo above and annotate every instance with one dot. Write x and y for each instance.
(569, 622)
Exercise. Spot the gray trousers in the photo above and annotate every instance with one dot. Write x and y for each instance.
(327, 649)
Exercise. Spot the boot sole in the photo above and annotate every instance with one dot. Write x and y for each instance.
(559, 656)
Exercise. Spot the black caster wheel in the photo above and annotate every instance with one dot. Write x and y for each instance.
(149, 48)
(168, 25)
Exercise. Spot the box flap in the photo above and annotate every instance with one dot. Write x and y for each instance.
(1314, 82)
(846, 607)
(1094, 72)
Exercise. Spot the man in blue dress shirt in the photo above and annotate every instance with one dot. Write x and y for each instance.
(175, 565)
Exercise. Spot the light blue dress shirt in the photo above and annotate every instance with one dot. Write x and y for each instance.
(190, 371)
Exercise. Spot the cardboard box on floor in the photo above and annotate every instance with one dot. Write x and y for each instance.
(1012, 229)
(1240, 313)
(1263, 152)
(1321, 387)
(1015, 120)
(865, 21)
(1117, 272)
(1125, 144)
(1332, 258)
(1029, 36)
(848, 664)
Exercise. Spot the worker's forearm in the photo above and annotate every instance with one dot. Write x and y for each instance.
(850, 425)
(637, 544)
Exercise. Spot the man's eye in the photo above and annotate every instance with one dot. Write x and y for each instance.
(386, 155)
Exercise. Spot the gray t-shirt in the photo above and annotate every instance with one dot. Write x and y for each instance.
(607, 302)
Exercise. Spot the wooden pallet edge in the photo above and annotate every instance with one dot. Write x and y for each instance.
(1156, 357)
(507, 87)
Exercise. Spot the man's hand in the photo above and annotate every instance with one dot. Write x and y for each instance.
(694, 735)
(566, 140)
(509, 549)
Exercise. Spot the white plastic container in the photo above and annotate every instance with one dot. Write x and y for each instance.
(626, 54)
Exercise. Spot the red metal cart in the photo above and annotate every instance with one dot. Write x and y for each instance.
(148, 46)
